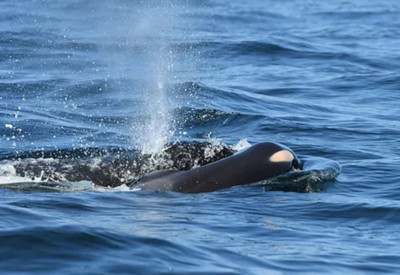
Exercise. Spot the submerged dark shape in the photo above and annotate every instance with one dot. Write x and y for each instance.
(111, 167)
(259, 162)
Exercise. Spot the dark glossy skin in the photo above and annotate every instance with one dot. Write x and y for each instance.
(251, 165)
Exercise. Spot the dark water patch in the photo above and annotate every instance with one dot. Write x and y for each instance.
(248, 15)
(357, 15)
(261, 48)
(249, 102)
(55, 244)
(286, 91)
(351, 58)
(35, 42)
(15, 216)
(289, 50)
(357, 213)
(73, 205)
(242, 48)
(388, 82)
(362, 83)
(30, 89)
(213, 118)
(83, 89)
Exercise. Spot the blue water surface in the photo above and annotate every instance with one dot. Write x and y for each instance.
(322, 77)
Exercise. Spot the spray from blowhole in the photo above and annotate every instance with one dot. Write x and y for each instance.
(153, 132)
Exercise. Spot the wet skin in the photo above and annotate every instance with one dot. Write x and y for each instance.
(259, 162)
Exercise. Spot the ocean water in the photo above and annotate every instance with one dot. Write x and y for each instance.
(91, 88)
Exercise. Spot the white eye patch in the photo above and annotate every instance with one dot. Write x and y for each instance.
(282, 156)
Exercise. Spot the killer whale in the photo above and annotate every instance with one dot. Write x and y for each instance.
(259, 162)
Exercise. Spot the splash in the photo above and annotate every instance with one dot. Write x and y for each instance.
(141, 61)
(155, 26)
(157, 127)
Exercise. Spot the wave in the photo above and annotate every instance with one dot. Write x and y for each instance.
(73, 248)
(209, 48)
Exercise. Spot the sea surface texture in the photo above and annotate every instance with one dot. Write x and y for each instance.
(95, 94)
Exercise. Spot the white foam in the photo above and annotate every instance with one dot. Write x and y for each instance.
(9, 175)
(121, 188)
(241, 145)
(215, 147)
